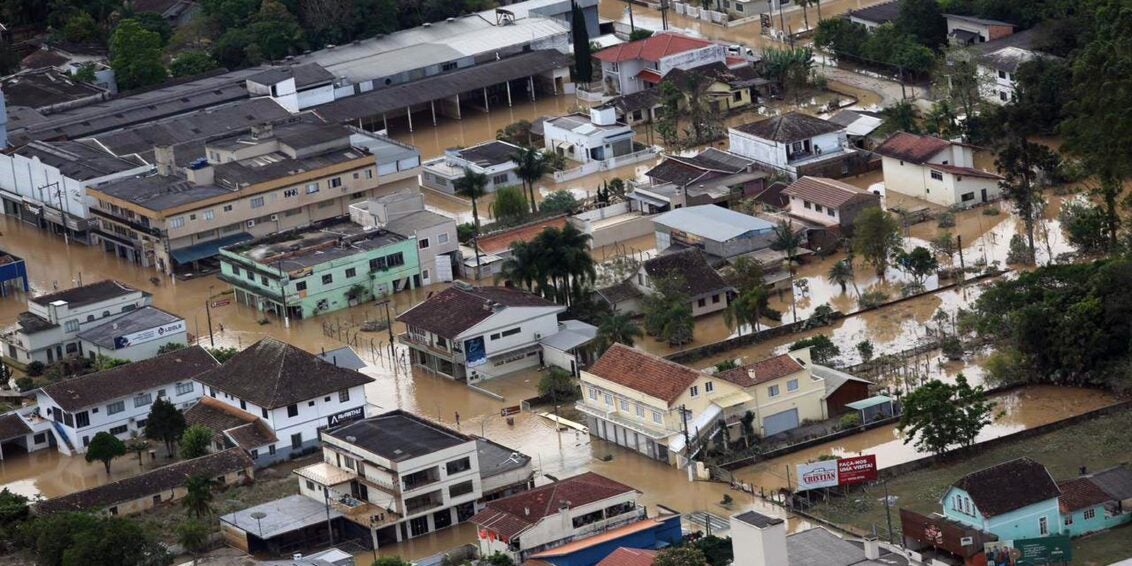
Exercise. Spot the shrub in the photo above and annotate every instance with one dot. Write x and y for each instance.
(952, 347)
(991, 211)
(849, 420)
(465, 232)
(25, 384)
(35, 369)
(726, 365)
(946, 220)
(872, 299)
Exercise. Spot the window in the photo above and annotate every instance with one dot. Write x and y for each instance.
(177, 222)
(448, 66)
(457, 466)
(656, 417)
(967, 197)
(709, 387)
(1002, 74)
(609, 399)
(71, 326)
(183, 388)
(255, 456)
(624, 404)
(257, 202)
(772, 391)
(292, 410)
(424, 244)
(462, 488)
(335, 182)
(301, 286)
(192, 217)
(243, 405)
(738, 7)
(715, 299)
(792, 385)
(271, 449)
(344, 396)
(263, 280)
(1068, 520)
(640, 411)
(442, 238)
(113, 510)
(327, 279)
(593, 394)
(1043, 526)
(499, 179)
(143, 399)
(831, 212)
(694, 391)
(506, 333)
(1089, 514)
(807, 204)
(227, 208)
(956, 503)
(119, 430)
(116, 407)
(208, 214)
(737, 96)
(351, 272)
(39, 438)
(310, 403)
(141, 424)
(937, 175)
(296, 441)
(1002, 96)
(701, 302)
(82, 419)
(312, 188)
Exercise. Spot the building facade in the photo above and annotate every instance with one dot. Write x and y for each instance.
(137, 335)
(581, 138)
(828, 202)
(494, 159)
(638, 65)
(403, 212)
(796, 144)
(936, 170)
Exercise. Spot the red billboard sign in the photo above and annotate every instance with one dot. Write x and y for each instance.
(858, 469)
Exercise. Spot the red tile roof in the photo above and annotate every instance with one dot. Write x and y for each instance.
(629, 557)
(912, 147)
(651, 49)
(829, 193)
(964, 171)
(510, 516)
(454, 310)
(762, 371)
(600, 539)
(644, 372)
(1080, 493)
(501, 242)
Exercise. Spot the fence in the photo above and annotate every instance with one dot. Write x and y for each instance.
(704, 14)
(592, 167)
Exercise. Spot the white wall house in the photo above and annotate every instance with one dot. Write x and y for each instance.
(49, 330)
(637, 65)
(997, 70)
(493, 159)
(137, 335)
(119, 400)
(292, 391)
(403, 213)
(581, 138)
(795, 144)
(936, 170)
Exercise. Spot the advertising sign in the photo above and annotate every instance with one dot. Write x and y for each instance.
(1029, 552)
(346, 416)
(148, 335)
(512, 410)
(475, 351)
(817, 475)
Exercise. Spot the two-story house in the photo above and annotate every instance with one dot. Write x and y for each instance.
(596, 137)
(293, 392)
(1097, 501)
(400, 476)
(936, 170)
(998, 69)
(274, 178)
(403, 212)
(638, 65)
(797, 144)
(49, 330)
(556, 514)
(493, 159)
(828, 202)
(472, 333)
(329, 266)
(118, 400)
(784, 390)
(704, 286)
(1014, 500)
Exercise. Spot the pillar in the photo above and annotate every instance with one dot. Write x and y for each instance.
(432, 104)
(508, 94)
(486, 107)
(459, 112)
(531, 83)
(409, 113)
(373, 535)
(385, 123)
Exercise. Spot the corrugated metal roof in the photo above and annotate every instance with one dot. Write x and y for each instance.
(712, 222)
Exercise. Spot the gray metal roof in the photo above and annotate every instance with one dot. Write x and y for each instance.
(136, 321)
(344, 357)
(281, 516)
(77, 160)
(161, 192)
(758, 519)
(495, 459)
(399, 97)
(712, 222)
(1115, 481)
(819, 546)
(409, 224)
(570, 335)
(305, 75)
(40, 88)
(399, 436)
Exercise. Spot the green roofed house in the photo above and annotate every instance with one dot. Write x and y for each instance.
(321, 269)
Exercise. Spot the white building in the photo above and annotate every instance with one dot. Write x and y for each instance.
(637, 65)
(597, 137)
(795, 144)
(969, 30)
(556, 514)
(828, 202)
(293, 392)
(403, 213)
(118, 400)
(935, 170)
(138, 335)
(494, 159)
(998, 69)
(294, 87)
(49, 330)
(759, 540)
(473, 333)
(400, 476)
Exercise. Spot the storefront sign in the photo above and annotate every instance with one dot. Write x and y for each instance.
(346, 416)
(1029, 552)
(817, 475)
(512, 410)
(832, 473)
(148, 335)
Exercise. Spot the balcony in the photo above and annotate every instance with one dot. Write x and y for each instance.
(613, 522)
(423, 503)
(421, 344)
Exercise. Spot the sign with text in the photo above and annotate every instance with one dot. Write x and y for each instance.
(512, 410)
(1030, 551)
(832, 473)
(148, 335)
(346, 416)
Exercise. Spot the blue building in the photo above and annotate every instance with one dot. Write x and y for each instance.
(1014, 500)
(650, 534)
(13, 274)
(1096, 502)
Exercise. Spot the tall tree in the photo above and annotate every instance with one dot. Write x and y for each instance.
(680, 556)
(198, 495)
(1021, 163)
(104, 447)
(876, 237)
(583, 58)
(841, 273)
(668, 310)
(923, 20)
(135, 55)
(165, 423)
(195, 442)
(747, 309)
(789, 242)
(919, 263)
(938, 415)
(531, 167)
(617, 328)
(472, 186)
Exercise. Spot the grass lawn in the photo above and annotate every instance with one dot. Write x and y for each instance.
(1098, 443)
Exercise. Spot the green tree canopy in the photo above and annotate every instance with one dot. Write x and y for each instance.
(619, 328)
(583, 58)
(195, 441)
(822, 350)
(135, 55)
(74, 539)
(876, 237)
(104, 447)
(938, 415)
(558, 202)
(165, 423)
(198, 495)
(510, 205)
(191, 63)
(681, 556)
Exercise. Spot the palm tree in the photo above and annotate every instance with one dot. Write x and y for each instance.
(805, 5)
(472, 185)
(841, 273)
(198, 498)
(787, 241)
(617, 328)
(747, 309)
(524, 268)
(532, 166)
(818, 4)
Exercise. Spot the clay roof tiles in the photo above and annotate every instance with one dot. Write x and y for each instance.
(512, 515)
(829, 193)
(912, 147)
(644, 372)
(762, 371)
(651, 48)
(1080, 493)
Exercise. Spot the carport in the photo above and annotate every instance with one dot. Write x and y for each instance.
(874, 408)
(13, 435)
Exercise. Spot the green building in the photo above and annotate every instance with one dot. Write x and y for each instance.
(320, 269)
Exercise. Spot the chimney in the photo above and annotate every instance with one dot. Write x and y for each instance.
(163, 155)
(262, 131)
(1083, 471)
(872, 548)
(201, 175)
(526, 511)
(758, 538)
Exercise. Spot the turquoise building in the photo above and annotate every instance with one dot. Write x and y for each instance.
(321, 269)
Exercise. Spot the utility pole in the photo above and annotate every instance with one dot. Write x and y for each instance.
(329, 525)
(888, 512)
(283, 293)
(208, 313)
(962, 268)
(632, 27)
(664, 15)
(389, 324)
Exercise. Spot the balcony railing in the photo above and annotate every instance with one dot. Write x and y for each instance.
(419, 507)
(450, 355)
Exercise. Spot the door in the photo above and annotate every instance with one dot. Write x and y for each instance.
(984, 195)
(778, 422)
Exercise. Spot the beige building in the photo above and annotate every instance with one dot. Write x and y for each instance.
(657, 407)
(270, 179)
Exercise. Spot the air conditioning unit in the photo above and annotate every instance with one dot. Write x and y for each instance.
(538, 336)
(274, 217)
(251, 223)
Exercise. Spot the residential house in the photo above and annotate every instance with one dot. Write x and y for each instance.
(403, 213)
(582, 138)
(761, 540)
(49, 330)
(785, 390)
(719, 232)
(739, 9)
(495, 247)
(17, 435)
(329, 266)
(625, 556)
(998, 70)
(705, 288)
(841, 389)
(1013, 500)
(472, 333)
(727, 88)
(399, 476)
(876, 15)
(712, 176)
(567, 348)
(638, 65)
(493, 159)
(860, 126)
(118, 400)
(936, 170)
(275, 178)
(556, 514)
(232, 427)
(293, 392)
(69, 58)
(969, 30)
(138, 335)
(796, 145)
(1096, 502)
(641, 107)
(147, 490)
(657, 532)
(828, 202)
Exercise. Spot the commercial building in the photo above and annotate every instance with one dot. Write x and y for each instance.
(642, 64)
(46, 90)
(49, 330)
(936, 170)
(118, 400)
(13, 274)
(399, 476)
(556, 514)
(327, 267)
(135, 336)
(494, 159)
(293, 392)
(797, 144)
(403, 213)
(718, 231)
(274, 178)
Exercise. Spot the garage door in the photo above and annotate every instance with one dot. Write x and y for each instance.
(779, 422)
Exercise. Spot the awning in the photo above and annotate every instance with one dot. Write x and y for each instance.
(647, 198)
(733, 399)
(208, 249)
(649, 76)
(870, 402)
